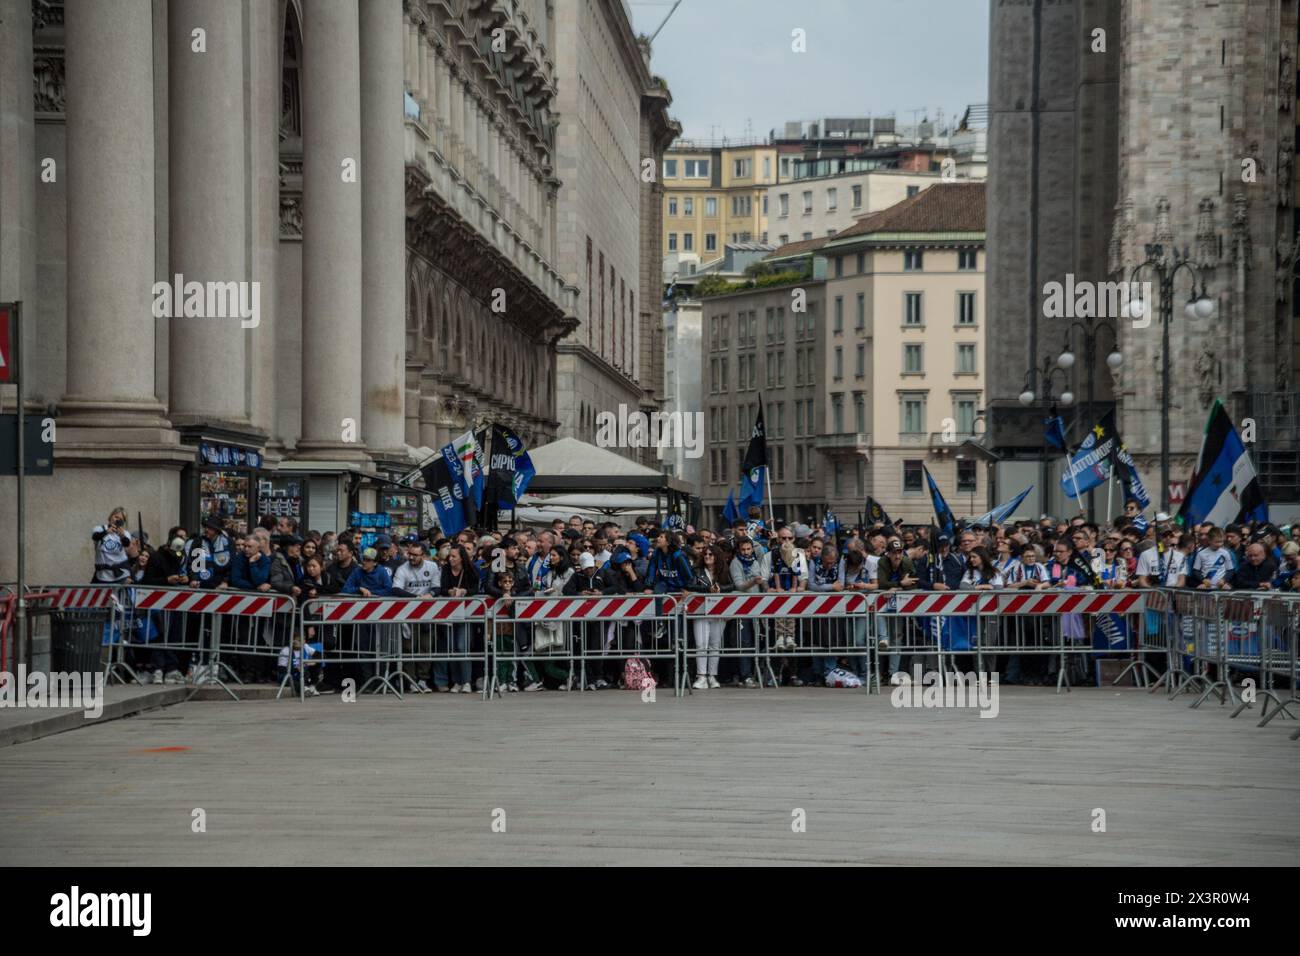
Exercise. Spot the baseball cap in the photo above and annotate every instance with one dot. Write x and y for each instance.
(370, 554)
(586, 560)
(214, 521)
(383, 541)
(1162, 516)
(895, 545)
(622, 556)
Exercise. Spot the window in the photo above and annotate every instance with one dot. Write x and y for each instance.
(710, 206)
(783, 239)
(839, 311)
(697, 169)
(742, 168)
(798, 366)
(722, 374)
(839, 480)
(861, 322)
(913, 476)
(812, 419)
(912, 191)
(966, 358)
(832, 199)
(672, 242)
(837, 413)
(785, 167)
(779, 420)
(670, 169)
(778, 467)
(710, 242)
(913, 414)
(967, 260)
(860, 362)
(857, 197)
(688, 241)
(767, 171)
(672, 205)
(862, 262)
(688, 206)
(859, 413)
(765, 206)
(830, 233)
(807, 236)
(798, 462)
(913, 361)
(912, 260)
(783, 205)
(839, 267)
(862, 479)
(780, 369)
(807, 202)
(812, 460)
(839, 363)
(965, 415)
(966, 480)
(770, 362)
(912, 312)
(965, 308)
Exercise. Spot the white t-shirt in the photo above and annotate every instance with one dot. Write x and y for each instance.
(1214, 565)
(421, 581)
(972, 578)
(1173, 561)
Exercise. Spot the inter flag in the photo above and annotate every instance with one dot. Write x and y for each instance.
(1224, 488)
(755, 461)
(444, 480)
(470, 455)
(729, 511)
(1090, 465)
(1054, 431)
(510, 469)
(875, 513)
(1129, 479)
(947, 523)
(830, 524)
(1001, 512)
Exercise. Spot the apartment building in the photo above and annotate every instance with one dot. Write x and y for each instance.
(713, 196)
(818, 206)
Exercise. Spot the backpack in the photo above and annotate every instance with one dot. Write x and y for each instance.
(636, 676)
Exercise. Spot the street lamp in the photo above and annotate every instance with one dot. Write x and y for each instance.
(1090, 329)
(1199, 306)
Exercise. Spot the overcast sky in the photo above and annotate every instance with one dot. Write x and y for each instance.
(730, 61)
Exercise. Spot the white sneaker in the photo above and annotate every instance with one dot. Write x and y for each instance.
(478, 685)
(312, 691)
(423, 685)
(534, 686)
(455, 688)
(175, 677)
(158, 676)
(144, 677)
(701, 683)
(749, 682)
(713, 682)
(512, 688)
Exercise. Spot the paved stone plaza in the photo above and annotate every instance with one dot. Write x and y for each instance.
(606, 779)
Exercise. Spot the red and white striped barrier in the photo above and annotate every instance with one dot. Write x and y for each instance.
(81, 598)
(396, 610)
(1070, 602)
(803, 604)
(935, 603)
(213, 601)
(603, 608)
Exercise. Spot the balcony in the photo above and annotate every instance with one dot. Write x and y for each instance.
(844, 443)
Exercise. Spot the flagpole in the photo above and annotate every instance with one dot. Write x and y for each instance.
(1110, 488)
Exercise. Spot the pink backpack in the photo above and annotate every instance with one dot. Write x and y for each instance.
(636, 676)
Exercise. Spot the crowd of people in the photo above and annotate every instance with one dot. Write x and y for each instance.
(581, 557)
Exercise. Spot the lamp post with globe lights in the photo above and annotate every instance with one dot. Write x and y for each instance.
(1091, 328)
(1028, 397)
(1199, 306)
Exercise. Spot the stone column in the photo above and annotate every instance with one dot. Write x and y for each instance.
(331, 267)
(265, 25)
(18, 240)
(206, 203)
(110, 226)
(431, 80)
(383, 230)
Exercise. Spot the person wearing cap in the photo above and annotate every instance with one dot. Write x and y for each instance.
(1164, 565)
(371, 579)
(208, 556)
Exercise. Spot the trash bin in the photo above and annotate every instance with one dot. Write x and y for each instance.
(76, 640)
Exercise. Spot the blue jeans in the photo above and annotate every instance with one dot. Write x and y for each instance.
(458, 636)
(745, 665)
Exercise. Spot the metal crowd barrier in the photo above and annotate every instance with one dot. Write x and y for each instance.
(567, 636)
(806, 624)
(210, 626)
(93, 611)
(379, 636)
(1278, 626)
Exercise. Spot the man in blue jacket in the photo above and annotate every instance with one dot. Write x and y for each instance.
(372, 579)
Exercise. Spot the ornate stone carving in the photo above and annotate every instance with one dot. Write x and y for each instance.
(1285, 159)
(48, 80)
(1207, 247)
(290, 217)
(1285, 79)
(1206, 377)
(1240, 230)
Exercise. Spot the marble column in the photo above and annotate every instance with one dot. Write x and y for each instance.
(206, 205)
(265, 25)
(331, 267)
(383, 231)
(110, 225)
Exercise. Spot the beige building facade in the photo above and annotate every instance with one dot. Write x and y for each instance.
(821, 206)
(713, 196)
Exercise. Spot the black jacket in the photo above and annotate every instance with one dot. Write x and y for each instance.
(579, 582)
(1249, 576)
(335, 576)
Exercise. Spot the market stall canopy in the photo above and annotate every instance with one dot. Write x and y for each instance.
(568, 465)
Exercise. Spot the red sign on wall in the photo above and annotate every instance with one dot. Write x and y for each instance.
(7, 371)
